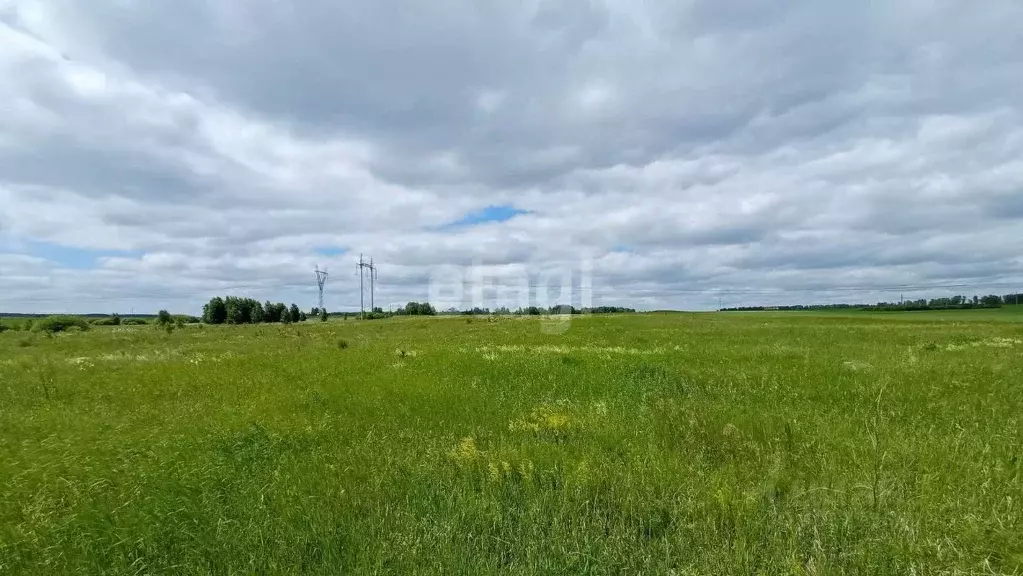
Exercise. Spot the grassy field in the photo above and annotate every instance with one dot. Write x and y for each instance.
(659, 444)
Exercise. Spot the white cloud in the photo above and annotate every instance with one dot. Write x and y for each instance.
(788, 151)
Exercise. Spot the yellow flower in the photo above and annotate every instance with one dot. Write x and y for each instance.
(465, 451)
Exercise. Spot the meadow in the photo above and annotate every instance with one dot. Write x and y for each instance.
(747, 443)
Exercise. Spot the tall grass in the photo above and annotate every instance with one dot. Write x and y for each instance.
(693, 444)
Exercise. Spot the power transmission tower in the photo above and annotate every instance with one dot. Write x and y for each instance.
(362, 266)
(362, 306)
(372, 285)
(321, 279)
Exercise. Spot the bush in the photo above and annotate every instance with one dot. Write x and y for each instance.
(134, 322)
(113, 320)
(342, 344)
(3, 328)
(323, 315)
(163, 318)
(53, 324)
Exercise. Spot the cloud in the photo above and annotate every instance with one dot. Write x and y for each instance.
(786, 151)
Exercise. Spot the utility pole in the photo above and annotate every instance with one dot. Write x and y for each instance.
(321, 279)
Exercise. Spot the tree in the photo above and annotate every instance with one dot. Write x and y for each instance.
(295, 313)
(991, 301)
(417, 309)
(215, 312)
(281, 311)
(163, 318)
(235, 311)
(323, 315)
(257, 314)
(304, 317)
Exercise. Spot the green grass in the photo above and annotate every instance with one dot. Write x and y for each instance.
(665, 443)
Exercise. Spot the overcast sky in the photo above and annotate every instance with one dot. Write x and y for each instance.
(153, 154)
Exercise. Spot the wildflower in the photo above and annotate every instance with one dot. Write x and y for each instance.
(465, 451)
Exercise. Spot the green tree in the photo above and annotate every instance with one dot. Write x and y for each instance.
(991, 300)
(235, 310)
(215, 312)
(323, 315)
(257, 314)
(163, 318)
(295, 313)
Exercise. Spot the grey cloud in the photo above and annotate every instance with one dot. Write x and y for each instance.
(729, 146)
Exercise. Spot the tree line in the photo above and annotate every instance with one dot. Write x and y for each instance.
(948, 303)
(237, 310)
(427, 309)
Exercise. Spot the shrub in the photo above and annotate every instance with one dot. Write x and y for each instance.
(163, 318)
(3, 328)
(323, 315)
(113, 320)
(134, 322)
(53, 324)
(342, 344)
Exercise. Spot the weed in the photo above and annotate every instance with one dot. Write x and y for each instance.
(694, 444)
(52, 324)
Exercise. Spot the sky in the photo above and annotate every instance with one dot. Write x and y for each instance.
(645, 153)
